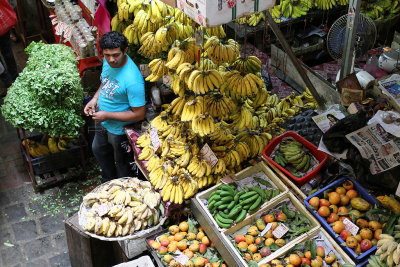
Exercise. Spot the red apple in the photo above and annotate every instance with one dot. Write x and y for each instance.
(344, 234)
(365, 245)
(202, 248)
(162, 250)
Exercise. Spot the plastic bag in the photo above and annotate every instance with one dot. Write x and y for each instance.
(8, 17)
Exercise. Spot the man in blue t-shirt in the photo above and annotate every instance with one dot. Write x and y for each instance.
(120, 100)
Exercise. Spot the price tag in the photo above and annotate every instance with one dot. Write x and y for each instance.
(267, 227)
(102, 209)
(350, 226)
(167, 80)
(144, 70)
(207, 154)
(155, 140)
(280, 231)
(181, 258)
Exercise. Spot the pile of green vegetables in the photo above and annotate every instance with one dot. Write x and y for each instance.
(47, 96)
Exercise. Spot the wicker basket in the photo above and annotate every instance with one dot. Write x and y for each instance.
(136, 235)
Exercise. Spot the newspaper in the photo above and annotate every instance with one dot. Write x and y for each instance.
(390, 87)
(374, 144)
(327, 119)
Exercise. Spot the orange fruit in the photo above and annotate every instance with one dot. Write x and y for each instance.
(252, 248)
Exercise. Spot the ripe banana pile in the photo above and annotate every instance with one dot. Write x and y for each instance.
(121, 208)
(311, 102)
(49, 145)
(381, 9)
(220, 51)
(242, 85)
(388, 252)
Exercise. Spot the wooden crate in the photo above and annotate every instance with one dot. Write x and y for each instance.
(259, 167)
(252, 219)
(90, 252)
(321, 231)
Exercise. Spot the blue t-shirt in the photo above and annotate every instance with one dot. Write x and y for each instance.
(122, 88)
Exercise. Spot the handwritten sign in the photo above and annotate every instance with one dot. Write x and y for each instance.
(102, 209)
(266, 229)
(167, 80)
(155, 140)
(350, 226)
(180, 257)
(61, 28)
(144, 70)
(280, 231)
(207, 154)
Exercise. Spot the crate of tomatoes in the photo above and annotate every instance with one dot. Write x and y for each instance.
(346, 210)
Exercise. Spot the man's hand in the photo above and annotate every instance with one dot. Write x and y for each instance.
(100, 116)
(90, 107)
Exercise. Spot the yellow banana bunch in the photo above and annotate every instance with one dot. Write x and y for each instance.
(220, 51)
(192, 108)
(243, 86)
(201, 82)
(250, 64)
(255, 18)
(149, 47)
(324, 4)
(203, 124)
(217, 31)
(218, 105)
(52, 144)
(158, 70)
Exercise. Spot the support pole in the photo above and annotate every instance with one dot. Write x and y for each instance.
(296, 63)
(350, 37)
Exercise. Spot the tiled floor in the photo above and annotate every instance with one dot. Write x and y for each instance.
(32, 224)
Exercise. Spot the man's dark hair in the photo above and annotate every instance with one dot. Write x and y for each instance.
(112, 40)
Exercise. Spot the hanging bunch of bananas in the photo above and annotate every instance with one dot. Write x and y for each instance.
(158, 69)
(181, 52)
(250, 64)
(201, 82)
(184, 31)
(166, 35)
(260, 98)
(380, 9)
(132, 34)
(222, 135)
(218, 105)
(148, 47)
(192, 109)
(276, 11)
(255, 141)
(178, 85)
(255, 18)
(242, 119)
(182, 17)
(242, 85)
(184, 71)
(177, 105)
(295, 8)
(118, 25)
(324, 4)
(220, 51)
(217, 31)
(203, 124)
(206, 64)
(241, 20)
(342, 2)
(132, 206)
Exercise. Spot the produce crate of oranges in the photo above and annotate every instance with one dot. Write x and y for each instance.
(261, 237)
(186, 245)
(318, 250)
(346, 210)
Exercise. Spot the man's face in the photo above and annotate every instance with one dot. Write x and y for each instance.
(115, 57)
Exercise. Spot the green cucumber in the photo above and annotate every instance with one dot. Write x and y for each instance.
(234, 211)
(251, 199)
(221, 224)
(259, 191)
(223, 220)
(247, 195)
(238, 194)
(255, 204)
(231, 205)
(241, 216)
(227, 199)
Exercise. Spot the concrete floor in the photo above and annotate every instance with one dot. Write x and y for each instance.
(32, 229)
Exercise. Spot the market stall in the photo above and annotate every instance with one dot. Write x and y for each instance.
(250, 157)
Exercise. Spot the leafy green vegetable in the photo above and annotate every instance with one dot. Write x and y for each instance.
(47, 95)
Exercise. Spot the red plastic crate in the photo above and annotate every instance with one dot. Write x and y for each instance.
(322, 157)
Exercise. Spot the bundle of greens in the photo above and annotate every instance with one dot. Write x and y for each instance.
(47, 96)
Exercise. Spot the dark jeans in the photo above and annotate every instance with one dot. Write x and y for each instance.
(109, 154)
(11, 70)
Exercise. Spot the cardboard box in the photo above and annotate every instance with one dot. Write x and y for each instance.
(170, 2)
(217, 12)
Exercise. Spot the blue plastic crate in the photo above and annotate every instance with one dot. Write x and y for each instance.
(365, 195)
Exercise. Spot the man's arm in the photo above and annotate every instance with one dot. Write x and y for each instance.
(135, 114)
